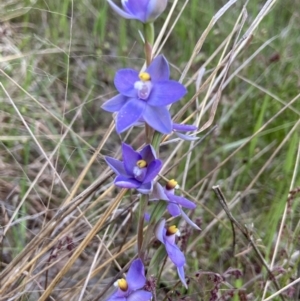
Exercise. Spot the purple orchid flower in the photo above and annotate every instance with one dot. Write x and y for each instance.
(138, 169)
(130, 289)
(145, 97)
(167, 237)
(175, 202)
(142, 10)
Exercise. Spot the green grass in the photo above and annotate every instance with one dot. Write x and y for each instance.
(101, 43)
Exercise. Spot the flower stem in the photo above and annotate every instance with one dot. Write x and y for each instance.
(142, 208)
(156, 215)
(156, 142)
(149, 132)
(149, 40)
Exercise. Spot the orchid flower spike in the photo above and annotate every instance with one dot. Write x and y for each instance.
(167, 237)
(130, 289)
(138, 169)
(175, 202)
(143, 10)
(145, 96)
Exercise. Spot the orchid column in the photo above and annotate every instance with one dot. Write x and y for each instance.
(144, 98)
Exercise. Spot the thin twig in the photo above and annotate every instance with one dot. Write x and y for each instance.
(246, 233)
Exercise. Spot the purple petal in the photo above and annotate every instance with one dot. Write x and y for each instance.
(116, 165)
(116, 298)
(158, 118)
(170, 239)
(147, 217)
(181, 201)
(119, 11)
(184, 127)
(160, 230)
(175, 254)
(166, 92)
(137, 8)
(174, 209)
(145, 188)
(158, 193)
(181, 275)
(129, 114)
(186, 137)
(148, 153)
(117, 295)
(114, 104)
(125, 80)
(152, 170)
(155, 8)
(139, 173)
(159, 69)
(140, 296)
(136, 275)
(130, 157)
(188, 220)
(125, 6)
(125, 182)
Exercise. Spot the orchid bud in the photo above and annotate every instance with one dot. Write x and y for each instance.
(145, 11)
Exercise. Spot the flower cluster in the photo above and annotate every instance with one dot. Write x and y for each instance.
(144, 98)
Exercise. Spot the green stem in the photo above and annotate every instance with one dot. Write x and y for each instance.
(149, 40)
(161, 269)
(149, 133)
(142, 209)
(156, 215)
(156, 142)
